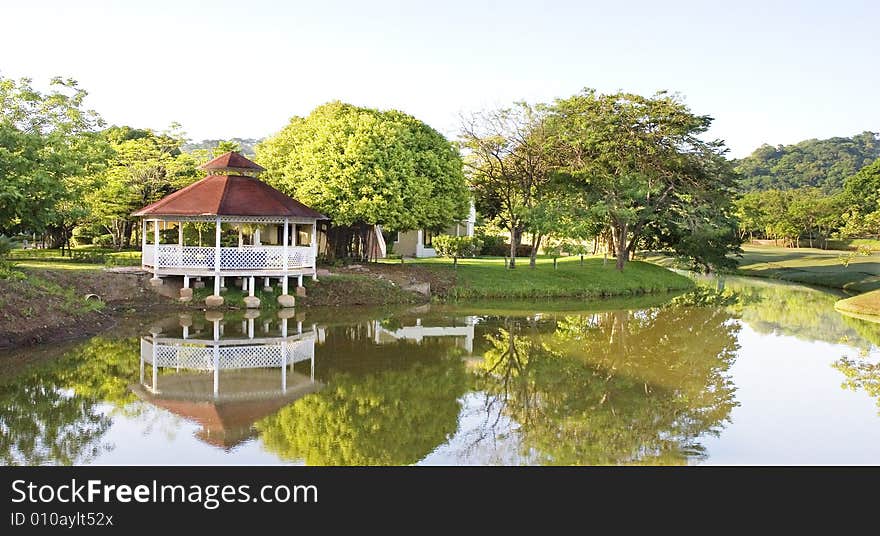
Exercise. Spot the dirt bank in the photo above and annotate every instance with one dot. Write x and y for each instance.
(52, 305)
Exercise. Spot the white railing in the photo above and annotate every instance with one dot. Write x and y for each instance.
(201, 356)
(243, 258)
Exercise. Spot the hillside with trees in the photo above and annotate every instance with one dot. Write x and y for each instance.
(823, 164)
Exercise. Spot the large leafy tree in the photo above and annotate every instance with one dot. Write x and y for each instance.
(143, 167)
(50, 153)
(510, 164)
(639, 162)
(363, 167)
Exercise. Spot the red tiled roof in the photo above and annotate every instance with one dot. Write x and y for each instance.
(232, 160)
(229, 195)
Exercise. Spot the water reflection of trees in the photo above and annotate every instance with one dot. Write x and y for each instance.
(50, 414)
(388, 404)
(615, 387)
(862, 372)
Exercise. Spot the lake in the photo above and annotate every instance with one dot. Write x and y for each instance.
(738, 371)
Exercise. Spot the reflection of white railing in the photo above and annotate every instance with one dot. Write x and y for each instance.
(199, 355)
(418, 332)
(243, 258)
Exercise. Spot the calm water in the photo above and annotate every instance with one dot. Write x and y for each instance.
(738, 371)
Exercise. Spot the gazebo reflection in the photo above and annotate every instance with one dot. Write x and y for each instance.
(227, 382)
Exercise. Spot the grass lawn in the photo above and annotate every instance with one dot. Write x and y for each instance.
(812, 266)
(486, 277)
(84, 257)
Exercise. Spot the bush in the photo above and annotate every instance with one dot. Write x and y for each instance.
(103, 241)
(457, 246)
(493, 245)
(83, 235)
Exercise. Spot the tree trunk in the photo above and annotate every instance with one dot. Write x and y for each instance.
(513, 234)
(622, 252)
(533, 255)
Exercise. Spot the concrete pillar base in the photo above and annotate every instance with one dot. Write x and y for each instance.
(251, 302)
(214, 301)
(286, 313)
(198, 284)
(286, 300)
(186, 293)
(301, 292)
(156, 281)
(185, 299)
(211, 316)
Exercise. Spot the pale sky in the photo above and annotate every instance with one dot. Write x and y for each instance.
(775, 72)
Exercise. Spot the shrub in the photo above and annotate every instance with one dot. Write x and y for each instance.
(103, 241)
(457, 246)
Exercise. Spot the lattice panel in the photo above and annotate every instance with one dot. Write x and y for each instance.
(230, 357)
(300, 257)
(197, 257)
(255, 258)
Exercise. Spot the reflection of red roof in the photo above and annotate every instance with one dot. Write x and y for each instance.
(229, 195)
(232, 160)
(228, 421)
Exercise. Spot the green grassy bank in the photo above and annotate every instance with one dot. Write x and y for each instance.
(828, 268)
(487, 278)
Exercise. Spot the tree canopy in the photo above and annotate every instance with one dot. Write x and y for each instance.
(50, 152)
(362, 166)
(641, 167)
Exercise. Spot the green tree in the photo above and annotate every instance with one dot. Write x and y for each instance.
(364, 167)
(639, 161)
(509, 165)
(49, 156)
(144, 167)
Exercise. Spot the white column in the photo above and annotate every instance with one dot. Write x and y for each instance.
(142, 365)
(155, 249)
(257, 237)
(284, 261)
(143, 239)
(250, 328)
(180, 234)
(217, 257)
(265, 282)
(299, 280)
(314, 247)
(185, 332)
(251, 284)
(185, 281)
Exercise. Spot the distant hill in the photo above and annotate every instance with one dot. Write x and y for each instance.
(823, 164)
(247, 145)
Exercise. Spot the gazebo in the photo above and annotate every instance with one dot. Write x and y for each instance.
(228, 225)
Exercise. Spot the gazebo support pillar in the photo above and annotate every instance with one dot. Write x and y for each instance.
(285, 299)
(216, 299)
(314, 246)
(251, 301)
(156, 280)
